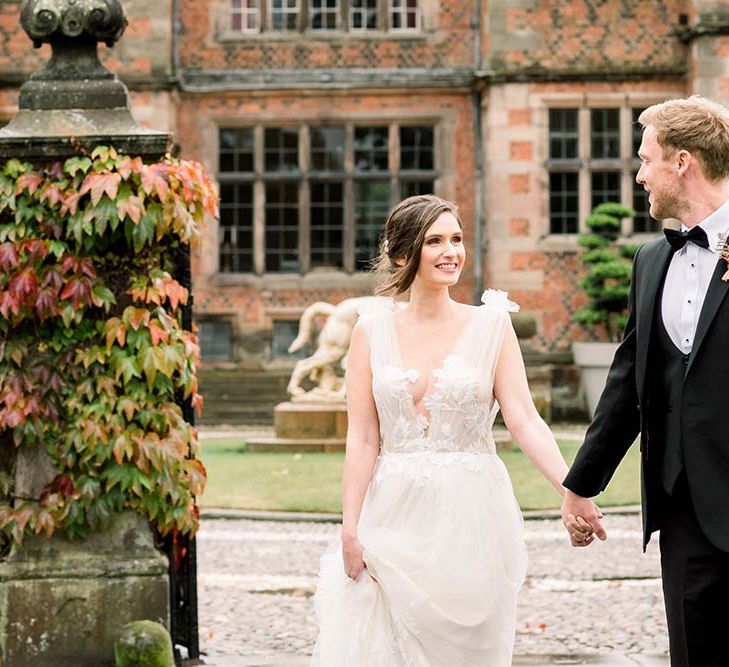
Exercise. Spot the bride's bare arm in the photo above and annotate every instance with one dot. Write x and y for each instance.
(527, 428)
(363, 445)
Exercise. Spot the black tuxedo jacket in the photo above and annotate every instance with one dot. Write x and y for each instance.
(624, 407)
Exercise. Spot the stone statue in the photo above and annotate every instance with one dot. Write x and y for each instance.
(331, 349)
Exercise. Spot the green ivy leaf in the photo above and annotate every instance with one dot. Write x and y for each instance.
(75, 164)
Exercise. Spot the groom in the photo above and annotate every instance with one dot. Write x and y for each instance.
(670, 380)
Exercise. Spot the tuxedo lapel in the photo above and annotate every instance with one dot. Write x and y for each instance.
(714, 296)
(654, 268)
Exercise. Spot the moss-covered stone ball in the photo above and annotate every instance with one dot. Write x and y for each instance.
(144, 644)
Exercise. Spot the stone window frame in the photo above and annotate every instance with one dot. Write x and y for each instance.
(401, 183)
(585, 166)
(386, 11)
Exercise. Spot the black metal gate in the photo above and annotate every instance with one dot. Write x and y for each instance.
(181, 550)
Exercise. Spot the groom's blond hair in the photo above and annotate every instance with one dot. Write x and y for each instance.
(695, 124)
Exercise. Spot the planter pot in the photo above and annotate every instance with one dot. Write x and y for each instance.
(594, 360)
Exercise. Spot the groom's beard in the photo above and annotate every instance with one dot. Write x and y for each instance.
(667, 204)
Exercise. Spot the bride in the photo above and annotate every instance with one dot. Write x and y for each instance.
(432, 554)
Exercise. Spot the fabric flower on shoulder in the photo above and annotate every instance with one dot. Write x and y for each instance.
(499, 299)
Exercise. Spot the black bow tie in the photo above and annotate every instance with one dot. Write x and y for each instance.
(679, 239)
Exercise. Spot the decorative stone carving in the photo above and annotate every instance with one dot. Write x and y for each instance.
(74, 103)
(104, 20)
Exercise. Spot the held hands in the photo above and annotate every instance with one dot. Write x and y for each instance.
(582, 519)
(352, 552)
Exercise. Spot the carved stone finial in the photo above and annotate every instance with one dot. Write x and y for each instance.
(103, 20)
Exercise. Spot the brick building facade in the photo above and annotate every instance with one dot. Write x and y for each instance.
(316, 115)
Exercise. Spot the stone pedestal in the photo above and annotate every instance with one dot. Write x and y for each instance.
(63, 603)
(305, 427)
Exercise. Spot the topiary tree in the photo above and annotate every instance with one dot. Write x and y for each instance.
(609, 264)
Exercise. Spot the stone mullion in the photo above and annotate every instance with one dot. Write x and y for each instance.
(303, 15)
(259, 203)
(304, 202)
(383, 6)
(584, 180)
(349, 232)
(393, 163)
(264, 15)
(344, 15)
(626, 177)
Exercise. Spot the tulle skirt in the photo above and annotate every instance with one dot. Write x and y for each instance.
(445, 555)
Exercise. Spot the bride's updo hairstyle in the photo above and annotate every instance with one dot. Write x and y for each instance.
(405, 229)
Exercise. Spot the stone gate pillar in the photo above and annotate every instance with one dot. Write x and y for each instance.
(62, 603)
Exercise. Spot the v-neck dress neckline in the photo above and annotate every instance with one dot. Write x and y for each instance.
(434, 372)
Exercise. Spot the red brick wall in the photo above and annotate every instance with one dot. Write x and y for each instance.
(447, 41)
(581, 35)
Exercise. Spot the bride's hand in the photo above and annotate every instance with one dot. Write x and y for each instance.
(352, 552)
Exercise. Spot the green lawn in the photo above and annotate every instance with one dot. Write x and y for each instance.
(312, 482)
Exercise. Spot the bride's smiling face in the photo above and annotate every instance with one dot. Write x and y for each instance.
(443, 254)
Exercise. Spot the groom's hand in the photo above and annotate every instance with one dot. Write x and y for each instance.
(582, 519)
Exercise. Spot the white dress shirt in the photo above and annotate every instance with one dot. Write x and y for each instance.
(687, 280)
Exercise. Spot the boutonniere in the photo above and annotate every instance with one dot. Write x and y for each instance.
(723, 249)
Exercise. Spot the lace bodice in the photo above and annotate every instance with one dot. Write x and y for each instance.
(461, 406)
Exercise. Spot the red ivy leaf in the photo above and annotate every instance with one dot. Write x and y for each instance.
(23, 285)
(69, 204)
(8, 304)
(45, 304)
(86, 267)
(69, 263)
(132, 206)
(176, 293)
(51, 194)
(29, 181)
(36, 249)
(52, 279)
(129, 165)
(157, 333)
(8, 256)
(154, 177)
(135, 317)
(79, 291)
(98, 184)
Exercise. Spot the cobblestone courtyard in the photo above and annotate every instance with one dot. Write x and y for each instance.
(256, 579)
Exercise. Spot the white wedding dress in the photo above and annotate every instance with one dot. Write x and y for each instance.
(442, 533)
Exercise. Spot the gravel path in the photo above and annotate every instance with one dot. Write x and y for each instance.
(256, 579)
